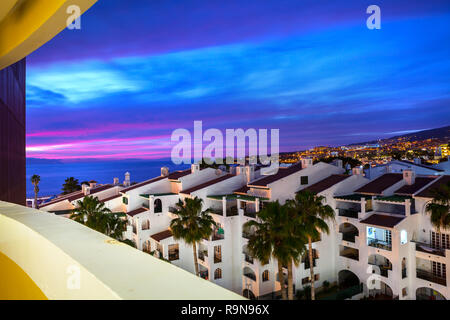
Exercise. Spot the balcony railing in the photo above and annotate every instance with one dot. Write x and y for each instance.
(349, 213)
(104, 276)
(429, 276)
(174, 256)
(380, 244)
(424, 247)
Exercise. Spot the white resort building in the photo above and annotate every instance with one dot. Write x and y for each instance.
(381, 243)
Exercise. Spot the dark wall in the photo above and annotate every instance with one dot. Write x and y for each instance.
(12, 133)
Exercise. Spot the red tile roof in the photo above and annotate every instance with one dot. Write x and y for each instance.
(162, 235)
(179, 174)
(282, 173)
(207, 184)
(428, 192)
(418, 184)
(242, 190)
(135, 212)
(77, 195)
(380, 184)
(327, 183)
(382, 220)
(141, 184)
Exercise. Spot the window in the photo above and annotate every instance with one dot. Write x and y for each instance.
(217, 254)
(157, 206)
(174, 252)
(404, 292)
(303, 180)
(125, 200)
(145, 224)
(218, 273)
(403, 237)
(265, 276)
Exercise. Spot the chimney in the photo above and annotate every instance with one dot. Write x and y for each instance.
(92, 184)
(127, 182)
(417, 161)
(85, 189)
(307, 162)
(388, 168)
(338, 163)
(409, 176)
(116, 181)
(195, 167)
(164, 171)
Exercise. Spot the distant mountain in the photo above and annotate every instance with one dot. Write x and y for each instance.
(438, 133)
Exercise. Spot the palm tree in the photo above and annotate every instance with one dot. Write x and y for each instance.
(312, 215)
(35, 179)
(276, 235)
(439, 207)
(192, 224)
(93, 213)
(70, 185)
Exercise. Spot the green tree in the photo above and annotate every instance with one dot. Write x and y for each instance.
(70, 185)
(93, 213)
(275, 234)
(439, 207)
(192, 224)
(312, 215)
(35, 179)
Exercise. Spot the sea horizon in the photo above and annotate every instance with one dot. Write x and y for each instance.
(53, 172)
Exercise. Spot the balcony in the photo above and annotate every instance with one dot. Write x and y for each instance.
(429, 276)
(248, 258)
(202, 255)
(249, 213)
(28, 237)
(349, 253)
(379, 244)
(426, 248)
(349, 213)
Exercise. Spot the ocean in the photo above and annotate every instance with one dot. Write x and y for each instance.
(54, 172)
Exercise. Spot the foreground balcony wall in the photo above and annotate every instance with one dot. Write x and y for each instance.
(49, 249)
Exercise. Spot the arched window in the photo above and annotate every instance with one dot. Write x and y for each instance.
(218, 273)
(265, 275)
(157, 206)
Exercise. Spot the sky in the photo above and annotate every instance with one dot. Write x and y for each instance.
(138, 70)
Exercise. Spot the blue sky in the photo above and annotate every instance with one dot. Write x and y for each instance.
(135, 72)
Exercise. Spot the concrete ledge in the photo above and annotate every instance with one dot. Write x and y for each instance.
(55, 252)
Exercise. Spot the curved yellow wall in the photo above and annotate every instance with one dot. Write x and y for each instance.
(30, 24)
(15, 284)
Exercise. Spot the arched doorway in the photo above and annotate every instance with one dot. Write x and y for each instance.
(383, 292)
(249, 294)
(428, 294)
(349, 232)
(157, 206)
(382, 263)
(347, 279)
